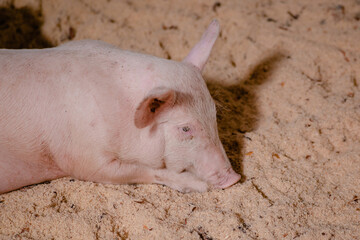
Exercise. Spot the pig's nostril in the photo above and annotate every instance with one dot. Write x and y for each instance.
(229, 180)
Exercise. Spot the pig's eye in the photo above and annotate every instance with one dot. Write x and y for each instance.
(186, 132)
(186, 129)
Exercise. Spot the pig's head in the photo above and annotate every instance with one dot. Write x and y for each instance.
(186, 113)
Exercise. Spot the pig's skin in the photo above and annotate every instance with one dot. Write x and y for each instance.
(89, 110)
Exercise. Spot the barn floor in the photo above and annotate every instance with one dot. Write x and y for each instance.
(286, 76)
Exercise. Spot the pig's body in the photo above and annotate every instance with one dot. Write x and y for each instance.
(94, 112)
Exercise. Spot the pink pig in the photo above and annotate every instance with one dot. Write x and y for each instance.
(91, 111)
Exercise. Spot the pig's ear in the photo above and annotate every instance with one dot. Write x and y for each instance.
(156, 102)
(199, 55)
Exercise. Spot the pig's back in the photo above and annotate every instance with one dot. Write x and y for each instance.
(70, 99)
(43, 100)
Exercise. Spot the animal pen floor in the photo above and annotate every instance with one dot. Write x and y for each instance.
(286, 77)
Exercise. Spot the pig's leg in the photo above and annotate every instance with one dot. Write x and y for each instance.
(16, 172)
(117, 172)
(183, 182)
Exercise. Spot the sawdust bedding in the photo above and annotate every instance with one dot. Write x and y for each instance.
(285, 75)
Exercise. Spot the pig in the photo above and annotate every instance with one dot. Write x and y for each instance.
(94, 112)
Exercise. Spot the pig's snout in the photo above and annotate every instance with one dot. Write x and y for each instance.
(229, 179)
(226, 179)
(214, 167)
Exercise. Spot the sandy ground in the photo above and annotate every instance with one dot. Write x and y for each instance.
(286, 75)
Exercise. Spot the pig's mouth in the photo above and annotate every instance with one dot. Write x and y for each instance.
(224, 179)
